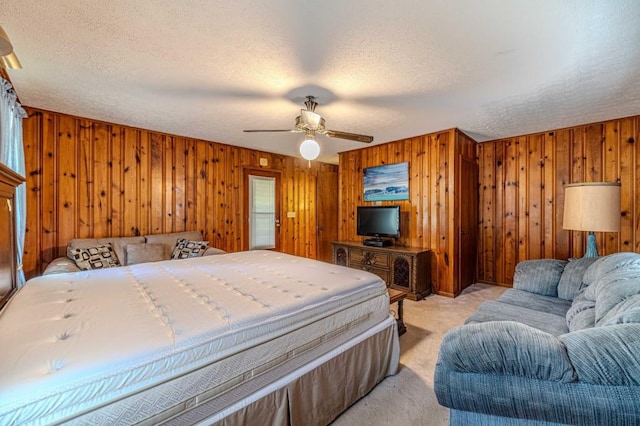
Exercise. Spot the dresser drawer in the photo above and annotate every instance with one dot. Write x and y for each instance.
(382, 273)
(368, 258)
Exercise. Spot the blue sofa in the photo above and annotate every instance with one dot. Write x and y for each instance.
(561, 347)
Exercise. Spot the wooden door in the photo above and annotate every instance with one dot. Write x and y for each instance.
(249, 214)
(467, 211)
(327, 213)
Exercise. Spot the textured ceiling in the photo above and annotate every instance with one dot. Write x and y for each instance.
(391, 69)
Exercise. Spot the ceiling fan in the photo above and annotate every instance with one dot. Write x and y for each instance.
(312, 123)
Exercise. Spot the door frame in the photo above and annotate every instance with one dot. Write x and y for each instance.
(254, 171)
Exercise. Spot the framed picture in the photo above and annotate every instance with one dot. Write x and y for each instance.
(387, 183)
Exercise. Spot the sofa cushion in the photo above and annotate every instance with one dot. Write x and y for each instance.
(625, 312)
(606, 355)
(571, 281)
(582, 313)
(144, 252)
(506, 348)
(551, 305)
(608, 264)
(98, 257)
(170, 240)
(497, 311)
(185, 249)
(118, 244)
(540, 276)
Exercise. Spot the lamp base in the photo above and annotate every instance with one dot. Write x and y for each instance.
(592, 250)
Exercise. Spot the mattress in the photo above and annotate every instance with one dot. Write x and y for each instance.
(134, 343)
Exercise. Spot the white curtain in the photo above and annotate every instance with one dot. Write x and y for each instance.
(12, 155)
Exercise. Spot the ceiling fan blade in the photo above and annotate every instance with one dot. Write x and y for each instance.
(350, 136)
(256, 131)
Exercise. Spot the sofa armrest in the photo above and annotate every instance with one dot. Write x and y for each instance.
(213, 251)
(61, 265)
(608, 355)
(540, 276)
(505, 348)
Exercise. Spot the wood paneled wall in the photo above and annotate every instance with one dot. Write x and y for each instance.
(428, 219)
(522, 196)
(87, 178)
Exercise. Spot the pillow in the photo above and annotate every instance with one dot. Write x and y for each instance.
(185, 248)
(118, 245)
(170, 240)
(539, 276)
(97, 257)
(144, 253)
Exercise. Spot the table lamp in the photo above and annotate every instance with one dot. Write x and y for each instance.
(592, 207)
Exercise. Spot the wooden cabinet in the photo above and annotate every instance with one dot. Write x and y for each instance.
(8, 278)
(402, 268)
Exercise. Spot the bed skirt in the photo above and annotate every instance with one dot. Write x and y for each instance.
(316, 393)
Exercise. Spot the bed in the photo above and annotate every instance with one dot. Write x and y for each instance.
(243, 338)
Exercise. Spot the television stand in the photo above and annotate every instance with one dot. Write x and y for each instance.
(377, 242)
(402, 268)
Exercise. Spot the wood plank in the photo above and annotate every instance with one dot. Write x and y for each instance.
(628, 180)
(499, 243)
(146, 186)
(577, 175)
(131, 182)
(157, 193)
(443, 213)
(611, 173)
(523, 198)
(67, 168)
(510, 222)
(169, 160)
(563, 160)
(179, 186)
(32, 136)
(101, 142)
(548, 193)
(116, 192)
(85, 176)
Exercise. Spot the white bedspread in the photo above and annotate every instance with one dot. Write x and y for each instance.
(71, 342)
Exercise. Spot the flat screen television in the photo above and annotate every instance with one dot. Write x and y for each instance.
(378, 222)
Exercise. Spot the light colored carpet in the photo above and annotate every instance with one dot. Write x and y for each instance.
(408, 398)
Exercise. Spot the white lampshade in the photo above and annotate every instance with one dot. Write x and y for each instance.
(592, 206)
(309, 149)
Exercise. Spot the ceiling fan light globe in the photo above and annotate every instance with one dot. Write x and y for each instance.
(309, 149)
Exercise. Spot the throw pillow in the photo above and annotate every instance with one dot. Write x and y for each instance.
(97, 257)
(185, 248)
(143, 253)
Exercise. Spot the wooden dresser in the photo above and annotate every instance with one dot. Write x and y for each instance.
(8, 278)
(402, 268)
